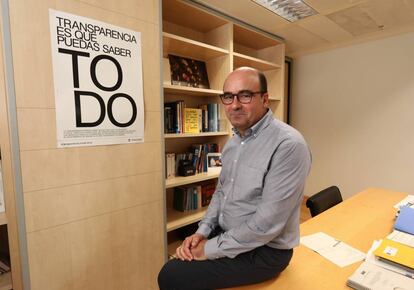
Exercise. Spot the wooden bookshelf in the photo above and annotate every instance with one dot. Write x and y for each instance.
(188, 135)
(245, 60)
(183, 180)
(178, 45)
(6, 281)
(223, 46)
(190, 91)
(177, 219)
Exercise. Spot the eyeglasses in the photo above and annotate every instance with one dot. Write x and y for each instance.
(244, 97)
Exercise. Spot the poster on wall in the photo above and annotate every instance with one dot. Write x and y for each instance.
(97, 69)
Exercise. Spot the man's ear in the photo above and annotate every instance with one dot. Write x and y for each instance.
(265, 98)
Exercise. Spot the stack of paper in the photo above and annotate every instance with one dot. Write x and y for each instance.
(378, 275)
(389, 263)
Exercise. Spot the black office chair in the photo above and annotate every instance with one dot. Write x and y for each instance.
(324, 200)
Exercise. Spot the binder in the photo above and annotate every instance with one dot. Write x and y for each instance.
(405, 220)
(397, 253)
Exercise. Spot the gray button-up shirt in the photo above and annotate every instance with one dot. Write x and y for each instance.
(260, 189)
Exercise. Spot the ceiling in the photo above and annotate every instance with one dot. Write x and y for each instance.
(339, 22)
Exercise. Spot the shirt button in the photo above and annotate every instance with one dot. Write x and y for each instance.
(221, 215)
(232, 180)
(235, 160)
(242, 143)
(225, 197)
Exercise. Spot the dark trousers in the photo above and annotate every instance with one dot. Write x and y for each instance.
(251, 267)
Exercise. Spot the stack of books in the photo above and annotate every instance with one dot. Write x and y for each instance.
(390, 262)
(193, 197)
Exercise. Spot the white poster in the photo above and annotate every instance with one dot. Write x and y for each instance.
(97, 71)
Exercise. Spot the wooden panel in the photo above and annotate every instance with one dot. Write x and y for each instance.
(6, 281)
(142, 10)
(120, 250)
(77, 165)
(173, 89)
(217, 70)
(56, 206)
(32, 124)
(252, 39)
(182, 180)
(244, 60)
(184, 15)
(178, 219)
(178, 45)
(92, 213)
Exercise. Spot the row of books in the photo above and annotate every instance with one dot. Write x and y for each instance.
(198, 156)
(180, 119)
(193, 197)
(389, 263)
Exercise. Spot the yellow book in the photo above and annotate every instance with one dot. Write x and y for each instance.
(397, 253)
(191, 120)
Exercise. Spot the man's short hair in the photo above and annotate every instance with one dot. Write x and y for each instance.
(262, 82)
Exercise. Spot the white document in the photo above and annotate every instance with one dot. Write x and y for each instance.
(407, 201)
(332, 249)
(402, 238)
(370, 276)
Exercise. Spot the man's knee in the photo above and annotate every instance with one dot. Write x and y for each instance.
(165, 276)
(173, 275)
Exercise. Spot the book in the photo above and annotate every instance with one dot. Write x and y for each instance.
(188, 72)
(192, 120)
(405, 220)
(370, 276)
(396, 253)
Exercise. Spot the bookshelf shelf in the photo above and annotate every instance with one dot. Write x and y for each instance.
(177, 219)
(173, 246)
(5, 281)
(245, 60)
(191, 91)
(183, 180)
(178, 45)
(186, 135)
(3, 218)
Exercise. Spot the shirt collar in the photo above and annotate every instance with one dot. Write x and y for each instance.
(259, 126)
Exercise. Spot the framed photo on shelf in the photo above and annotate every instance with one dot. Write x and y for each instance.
(188, 72)
(214, 162)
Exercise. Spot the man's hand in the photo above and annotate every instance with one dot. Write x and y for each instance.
(198, 251)
(184, 252)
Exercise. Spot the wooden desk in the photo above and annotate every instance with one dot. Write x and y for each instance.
(359, 220)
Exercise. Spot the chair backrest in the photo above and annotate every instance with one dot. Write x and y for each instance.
(324, 200)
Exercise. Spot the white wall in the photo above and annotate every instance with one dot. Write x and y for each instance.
(355, 107)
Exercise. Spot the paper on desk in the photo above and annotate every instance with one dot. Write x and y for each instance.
(332, 249)
(407, 201)
(402, 238)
